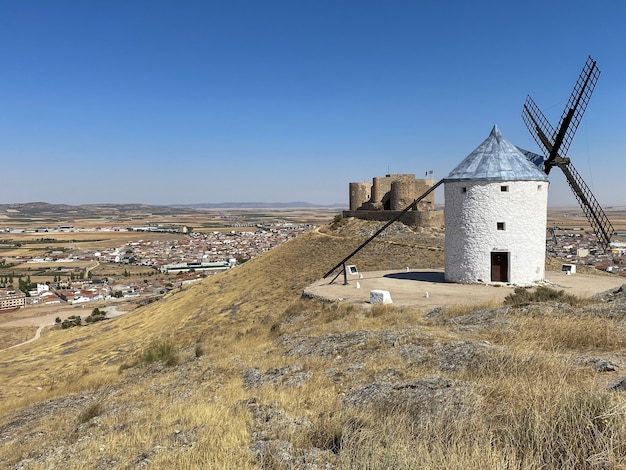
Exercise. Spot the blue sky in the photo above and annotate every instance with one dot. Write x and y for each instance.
(166, 102)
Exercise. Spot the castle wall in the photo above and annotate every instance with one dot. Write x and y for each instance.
(411, 218)
(404, 192)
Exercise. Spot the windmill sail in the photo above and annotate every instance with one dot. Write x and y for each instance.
(556, 143)
(538, 126)
(576, 106)
(600, 223)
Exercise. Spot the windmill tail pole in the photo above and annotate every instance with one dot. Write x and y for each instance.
(383, 228)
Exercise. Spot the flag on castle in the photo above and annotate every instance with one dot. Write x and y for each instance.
(429, 172)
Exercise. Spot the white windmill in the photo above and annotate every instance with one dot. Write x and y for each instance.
(495, 216)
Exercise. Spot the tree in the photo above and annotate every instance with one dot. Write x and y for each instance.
(71, 321)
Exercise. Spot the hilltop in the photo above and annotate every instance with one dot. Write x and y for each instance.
(241, 372)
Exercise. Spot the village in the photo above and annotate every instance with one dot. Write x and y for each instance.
(167, 264)
(579, 248)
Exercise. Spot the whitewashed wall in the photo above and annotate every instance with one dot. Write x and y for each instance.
(471, 219)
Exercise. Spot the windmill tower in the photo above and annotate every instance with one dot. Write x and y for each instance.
(495, 215)
(555, 144)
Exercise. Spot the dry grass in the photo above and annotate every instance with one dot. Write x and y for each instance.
(579, 432)
(573, 334)
(535, 406)
(455, 311)
(10, 336)
(558, 333)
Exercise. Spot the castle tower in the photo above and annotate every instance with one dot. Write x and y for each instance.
(402, 194)
(359, 194)
(495, 216)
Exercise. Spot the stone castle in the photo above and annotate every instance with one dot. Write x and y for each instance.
(385, 197)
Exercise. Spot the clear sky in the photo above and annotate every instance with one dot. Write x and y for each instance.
(167, 102)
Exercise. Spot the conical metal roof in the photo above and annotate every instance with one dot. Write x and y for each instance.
(496, 159)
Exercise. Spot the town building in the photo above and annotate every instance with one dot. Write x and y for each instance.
(12, 299)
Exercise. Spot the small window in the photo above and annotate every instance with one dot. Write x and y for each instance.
(500, 225)
(539, 187)
(463, 189)
(504, 189)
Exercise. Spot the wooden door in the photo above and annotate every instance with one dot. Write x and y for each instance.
(499, 266)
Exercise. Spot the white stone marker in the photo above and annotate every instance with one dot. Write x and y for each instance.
(380, 297)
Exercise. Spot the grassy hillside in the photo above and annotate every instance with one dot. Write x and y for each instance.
(239, 372)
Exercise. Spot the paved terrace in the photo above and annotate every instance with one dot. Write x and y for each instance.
(411, 288)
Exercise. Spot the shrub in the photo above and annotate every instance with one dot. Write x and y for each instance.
(157, 350)
(96, 312)
(71, 321)
(96, 315)
(525, 296)
(160, 350)
(94, 409)
(275, 330)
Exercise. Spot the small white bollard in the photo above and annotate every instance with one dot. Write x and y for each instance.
(380, 297)
(407, 269)
(426, 295)
(360, 276)
(358, 285)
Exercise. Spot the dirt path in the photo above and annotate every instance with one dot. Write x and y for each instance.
(49, 319)
(36, 337)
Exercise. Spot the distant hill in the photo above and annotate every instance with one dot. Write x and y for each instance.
(39, 209)
(255, 205)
